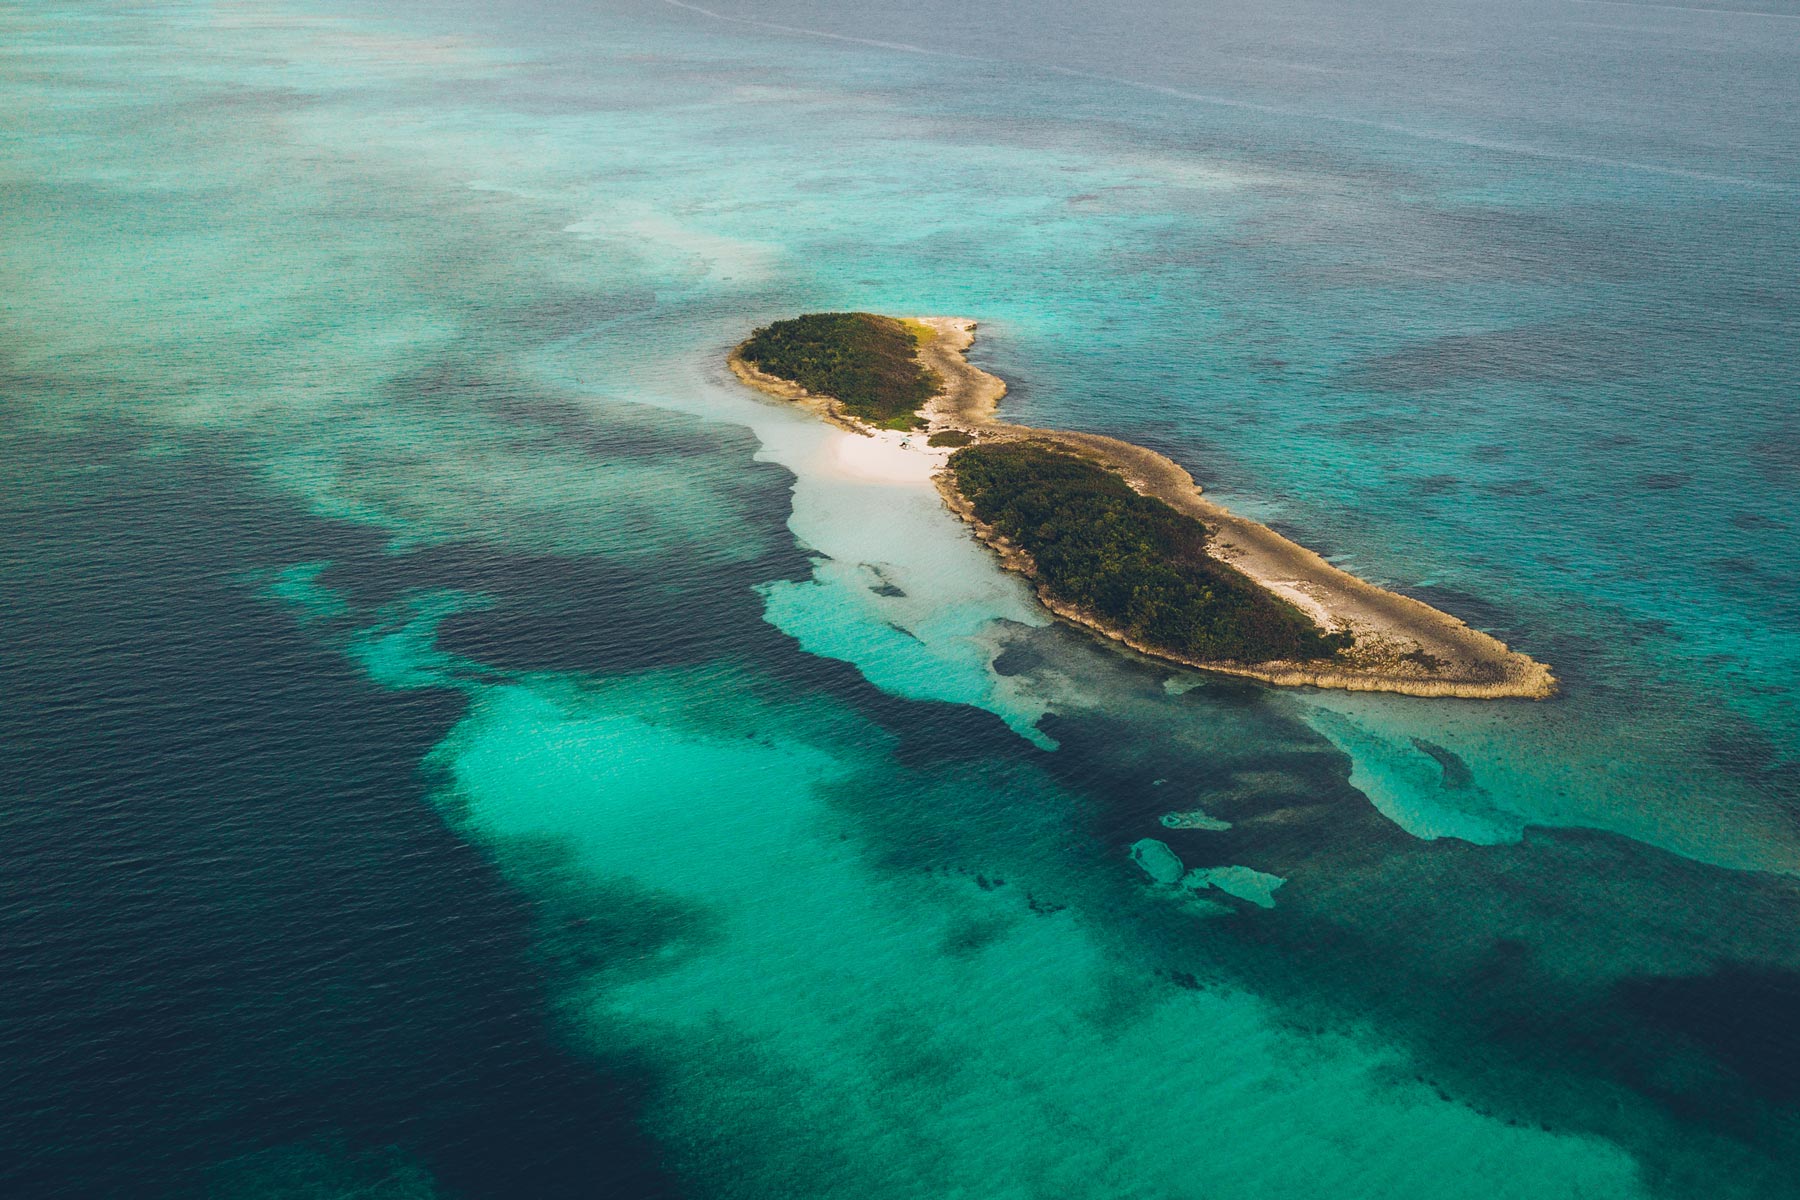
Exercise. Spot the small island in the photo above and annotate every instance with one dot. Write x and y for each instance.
(1116, 537)
(867, 366)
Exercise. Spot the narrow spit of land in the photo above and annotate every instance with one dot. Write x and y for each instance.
(1365, 638)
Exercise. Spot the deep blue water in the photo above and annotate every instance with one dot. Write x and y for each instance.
(231, 923)
(460, 744)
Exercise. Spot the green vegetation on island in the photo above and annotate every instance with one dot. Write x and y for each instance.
(950, 437)
(867, 363)
(1132, 561)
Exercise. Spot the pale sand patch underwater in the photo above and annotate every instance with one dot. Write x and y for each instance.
(1401, 644)
(895, 589)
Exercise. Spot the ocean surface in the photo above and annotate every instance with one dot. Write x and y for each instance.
(459, 743)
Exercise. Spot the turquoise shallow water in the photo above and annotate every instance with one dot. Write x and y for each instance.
(821, 837)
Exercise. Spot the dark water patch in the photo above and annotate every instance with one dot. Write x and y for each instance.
(321, 1168)
(1774, 593)
(605, 432)
(610, 615)
(1318, 544)
(1017, 660)
(1742, 1015)
(883, 585)
(1743, 749)
(1736, 744)
(1228, 691)
(1664, 481)
(1508, 996)
(592, 614)
(1543, 354)
(915, 817)
(548, 314)
(592, 927)
(971, 936)
(1514, 487)
(1478, 611)
(1436, 485)
(1457, 775)
(1777, 457)
(1182, 979)
(1649, 629)
(231, 920)
(1498, 966)
(1177, 440)
(1756, 521)
(1465, 242)
(1367, 429)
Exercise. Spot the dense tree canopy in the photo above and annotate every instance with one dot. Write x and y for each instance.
(868, 363)
(1133, 561)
